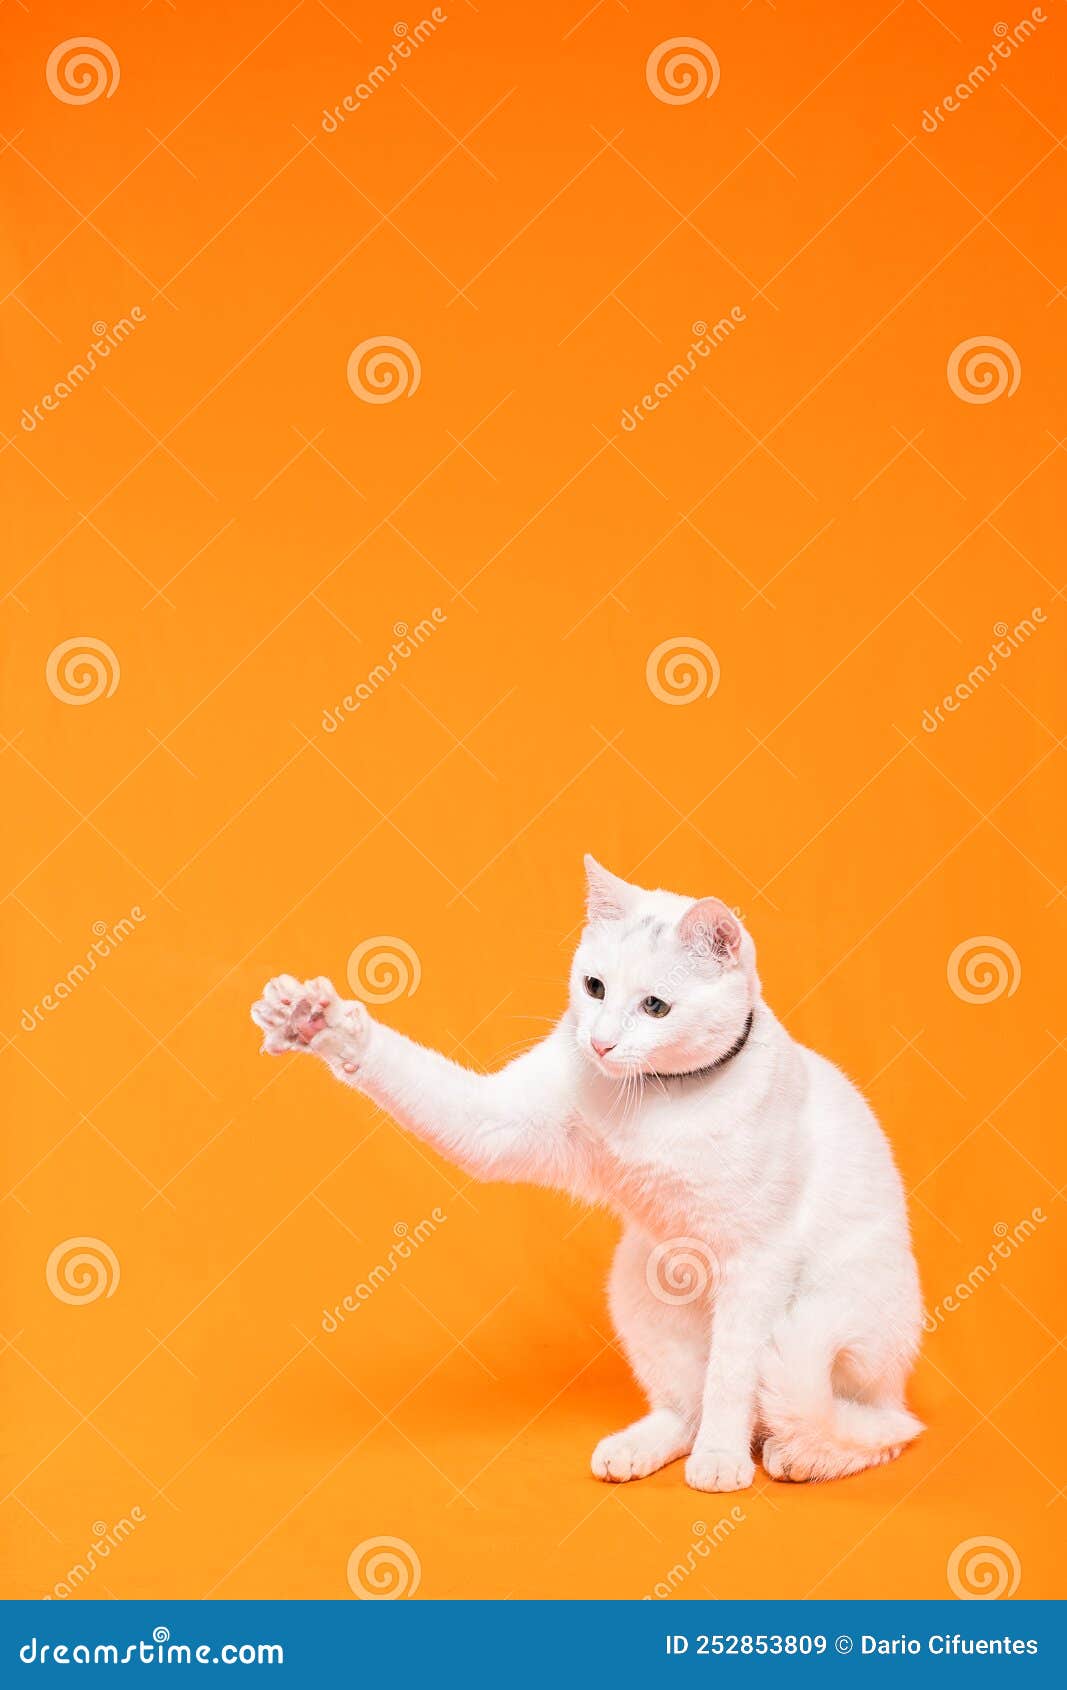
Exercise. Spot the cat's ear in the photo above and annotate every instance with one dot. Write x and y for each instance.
(710, 929)
(607, 897)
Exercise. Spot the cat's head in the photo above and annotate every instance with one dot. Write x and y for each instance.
(660, 984)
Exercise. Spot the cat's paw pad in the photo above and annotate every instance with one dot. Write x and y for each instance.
(295, 1015)
(273, 1011)
(719, 1470)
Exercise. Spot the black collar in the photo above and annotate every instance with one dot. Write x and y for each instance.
(720, 1061)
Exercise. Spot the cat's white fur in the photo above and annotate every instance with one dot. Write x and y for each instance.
(764, 1288)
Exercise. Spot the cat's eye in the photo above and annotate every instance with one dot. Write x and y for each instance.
(593, 986)
(656, 1007)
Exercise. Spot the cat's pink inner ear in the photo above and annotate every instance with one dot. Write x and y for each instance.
(606, 895)
(711, 929)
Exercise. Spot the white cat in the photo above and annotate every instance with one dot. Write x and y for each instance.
(764, 1288)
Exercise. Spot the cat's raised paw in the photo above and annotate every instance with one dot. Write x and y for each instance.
(718, 1470)
(295, 1015)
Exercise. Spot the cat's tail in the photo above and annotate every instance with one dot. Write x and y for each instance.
(812, 1433)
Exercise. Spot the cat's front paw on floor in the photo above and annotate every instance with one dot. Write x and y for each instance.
(719, 1469)
(643, 1448)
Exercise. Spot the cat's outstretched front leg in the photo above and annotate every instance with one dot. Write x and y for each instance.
(516, 1124)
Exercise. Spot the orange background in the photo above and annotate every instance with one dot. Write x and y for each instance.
(815, 503)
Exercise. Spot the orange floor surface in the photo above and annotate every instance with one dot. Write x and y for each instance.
(435, 447)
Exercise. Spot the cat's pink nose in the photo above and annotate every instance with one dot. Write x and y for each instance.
(601, 1050)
